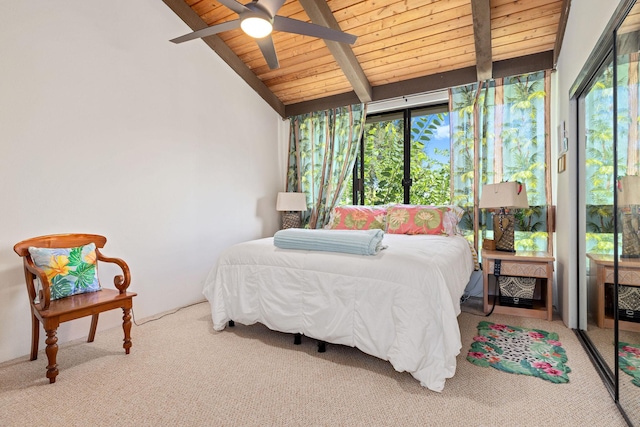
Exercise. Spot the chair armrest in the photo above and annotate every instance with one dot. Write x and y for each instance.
(121, 282)
(44, 296)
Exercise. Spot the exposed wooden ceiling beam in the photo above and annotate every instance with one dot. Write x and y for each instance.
(523, 64)
(194, 22)
(562, 25)
(320, 14)
(481, 10)
(321, 104)
(464, 76)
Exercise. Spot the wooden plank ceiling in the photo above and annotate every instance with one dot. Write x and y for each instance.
(403, 47)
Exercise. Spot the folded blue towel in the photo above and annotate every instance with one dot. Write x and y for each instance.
(359, 242)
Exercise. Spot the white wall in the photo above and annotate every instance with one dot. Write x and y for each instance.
(587, 20)
(106, 127)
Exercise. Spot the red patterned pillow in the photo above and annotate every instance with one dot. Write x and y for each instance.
(416, 219)
(358, 218)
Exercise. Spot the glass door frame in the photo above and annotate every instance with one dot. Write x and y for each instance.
(604, 370)
(604, 50)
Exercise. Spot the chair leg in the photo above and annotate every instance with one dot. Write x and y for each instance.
(52, 352)
(35, 336)
(94, 326)
(126, 326)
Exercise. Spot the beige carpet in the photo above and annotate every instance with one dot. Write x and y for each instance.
(182, 373)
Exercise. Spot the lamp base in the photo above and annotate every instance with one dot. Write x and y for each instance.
(503, 227)
(630, 234)
(290, 220)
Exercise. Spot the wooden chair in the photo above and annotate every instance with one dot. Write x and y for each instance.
(53, 312)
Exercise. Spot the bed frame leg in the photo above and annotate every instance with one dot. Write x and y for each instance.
(322, 346)
(297, 339)
(232, 323)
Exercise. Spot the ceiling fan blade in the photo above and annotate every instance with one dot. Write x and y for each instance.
(271, 6)
(214, 29)
(295, 26)
(234, 5)
(268, 51)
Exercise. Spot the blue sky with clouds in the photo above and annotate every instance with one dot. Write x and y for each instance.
(440, 140)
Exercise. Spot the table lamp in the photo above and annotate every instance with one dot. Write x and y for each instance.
(628, 201)
(502, 196)
(291, 204)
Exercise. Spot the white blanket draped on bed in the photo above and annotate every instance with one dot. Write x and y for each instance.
(400, 305)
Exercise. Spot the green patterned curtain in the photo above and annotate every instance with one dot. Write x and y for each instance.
(323, 146)
(500, 132)
(466, 106)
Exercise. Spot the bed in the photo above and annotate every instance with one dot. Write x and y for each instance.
(400, 305)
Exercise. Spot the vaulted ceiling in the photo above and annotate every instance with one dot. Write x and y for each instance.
(403, 47)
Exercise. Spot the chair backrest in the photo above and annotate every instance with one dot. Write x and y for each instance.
(59, 241)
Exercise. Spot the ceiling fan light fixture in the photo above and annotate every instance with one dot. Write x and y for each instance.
(256, 27)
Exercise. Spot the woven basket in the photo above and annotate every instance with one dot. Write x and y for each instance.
(516, 291)
(629, 303)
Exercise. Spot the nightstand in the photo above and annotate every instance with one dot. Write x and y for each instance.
(520, 264)
(601, 278)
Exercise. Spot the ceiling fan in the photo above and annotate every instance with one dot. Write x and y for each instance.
(258, 18)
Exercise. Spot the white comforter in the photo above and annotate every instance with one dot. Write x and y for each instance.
(400, 305)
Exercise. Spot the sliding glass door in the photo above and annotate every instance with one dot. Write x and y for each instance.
(627, 212)
(608, 207)
(596, 223)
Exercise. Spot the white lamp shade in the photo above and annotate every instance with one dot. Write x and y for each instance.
(504, 195)
(629, 190)
(291, 202)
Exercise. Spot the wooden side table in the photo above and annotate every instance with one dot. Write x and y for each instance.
(601, 275)
(520, 264)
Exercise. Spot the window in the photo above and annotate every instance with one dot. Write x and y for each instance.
(404, 158)
(443, 154)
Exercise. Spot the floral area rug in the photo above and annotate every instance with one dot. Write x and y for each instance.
(629, 360)
(520, 351)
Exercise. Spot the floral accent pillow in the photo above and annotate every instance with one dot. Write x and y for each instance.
(70, 271)
(416, 219)
(358, 218)
(452, 218)
(456, 212)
